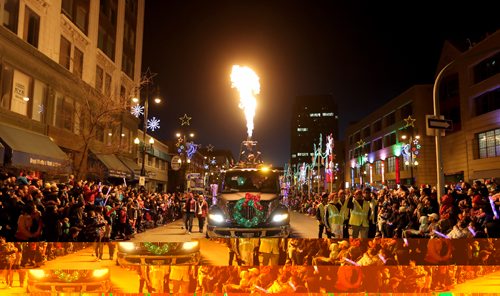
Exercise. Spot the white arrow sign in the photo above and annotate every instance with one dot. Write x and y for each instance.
(440, 123)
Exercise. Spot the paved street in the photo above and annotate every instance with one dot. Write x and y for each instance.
(488, 284)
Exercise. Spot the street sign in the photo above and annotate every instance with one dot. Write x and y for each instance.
(175, 163)
(142, 180)
(444, 124)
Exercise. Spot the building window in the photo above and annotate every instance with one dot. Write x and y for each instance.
(389, 139)
(378, 167)
(11, 14)
(150, 160)
(99, 78)
(78, 12)
(489, 143)
(406, 110)
(487, 102)
(157, 163)
(365, 133)
(390, 119)
(107, 27)
(78, 63)
(39, 101)
(65, 112)
(65, 53)
(487, 68)
(6, 86)
(330, 114)
(129, 37)
(21, 94)
(391, 164)
(315, 115)
(377, 126)
(31, 27)
(107, 85)
(377, 144)
(449, 87)
(302, 129)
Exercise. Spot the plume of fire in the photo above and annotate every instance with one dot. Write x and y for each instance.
(247, 83)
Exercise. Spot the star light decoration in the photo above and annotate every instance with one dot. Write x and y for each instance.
(410, 121)
(137, 110)
(147, 77)
(153, 124)
(185, 120)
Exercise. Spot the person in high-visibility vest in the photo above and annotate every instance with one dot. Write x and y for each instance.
(320, 215)
(335, 214)
(361, 211)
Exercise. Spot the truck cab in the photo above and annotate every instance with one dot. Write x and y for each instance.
(249, 204)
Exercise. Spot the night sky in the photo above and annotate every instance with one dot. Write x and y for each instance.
(362, 54)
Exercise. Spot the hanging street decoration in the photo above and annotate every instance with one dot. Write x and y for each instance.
(409, 121)
(252, 201)
(157, 250)
(137, 110)
(210, 148)
(185, 120)
(153, 124)
(41, 108)
(191, 149)
(69, 277)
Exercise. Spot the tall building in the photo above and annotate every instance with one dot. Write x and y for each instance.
(312, 117)
(389, 146)
(469, 95)
(62, 62)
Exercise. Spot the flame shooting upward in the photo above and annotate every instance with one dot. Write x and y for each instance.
(247, 83)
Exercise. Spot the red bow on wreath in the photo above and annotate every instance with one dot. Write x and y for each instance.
(255, 199)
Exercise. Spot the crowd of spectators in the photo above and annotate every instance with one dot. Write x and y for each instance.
(465, 211)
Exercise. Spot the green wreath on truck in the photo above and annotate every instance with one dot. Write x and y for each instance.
(253, 201)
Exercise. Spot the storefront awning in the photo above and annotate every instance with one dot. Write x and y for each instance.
(27, 149)
(132, 166)
(115, 167)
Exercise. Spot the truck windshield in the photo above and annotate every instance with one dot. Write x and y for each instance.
(250, 181)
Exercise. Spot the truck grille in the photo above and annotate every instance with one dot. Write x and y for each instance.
(249, 212)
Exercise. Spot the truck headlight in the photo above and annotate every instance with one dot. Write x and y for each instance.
(216, 217)
(189, 245)
(100, 272)
(280, 217)
(127, 246)
(37, 273)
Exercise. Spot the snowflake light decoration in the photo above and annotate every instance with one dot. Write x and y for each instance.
(153, 124)
(137, 110)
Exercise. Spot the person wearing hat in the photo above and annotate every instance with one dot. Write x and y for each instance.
(361, 209)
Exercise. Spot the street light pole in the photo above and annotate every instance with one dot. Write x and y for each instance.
(144, 127)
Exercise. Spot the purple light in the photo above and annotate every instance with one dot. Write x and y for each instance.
(492, 204)
(262, 289)
(382, 258)
(406, 241)
(352, 262)
(472, 231)
(440, 234)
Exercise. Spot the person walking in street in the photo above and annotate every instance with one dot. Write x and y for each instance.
(202, 212)
(189, 211)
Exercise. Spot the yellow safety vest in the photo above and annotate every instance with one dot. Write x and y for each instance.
(336, 217)
(359, 214)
